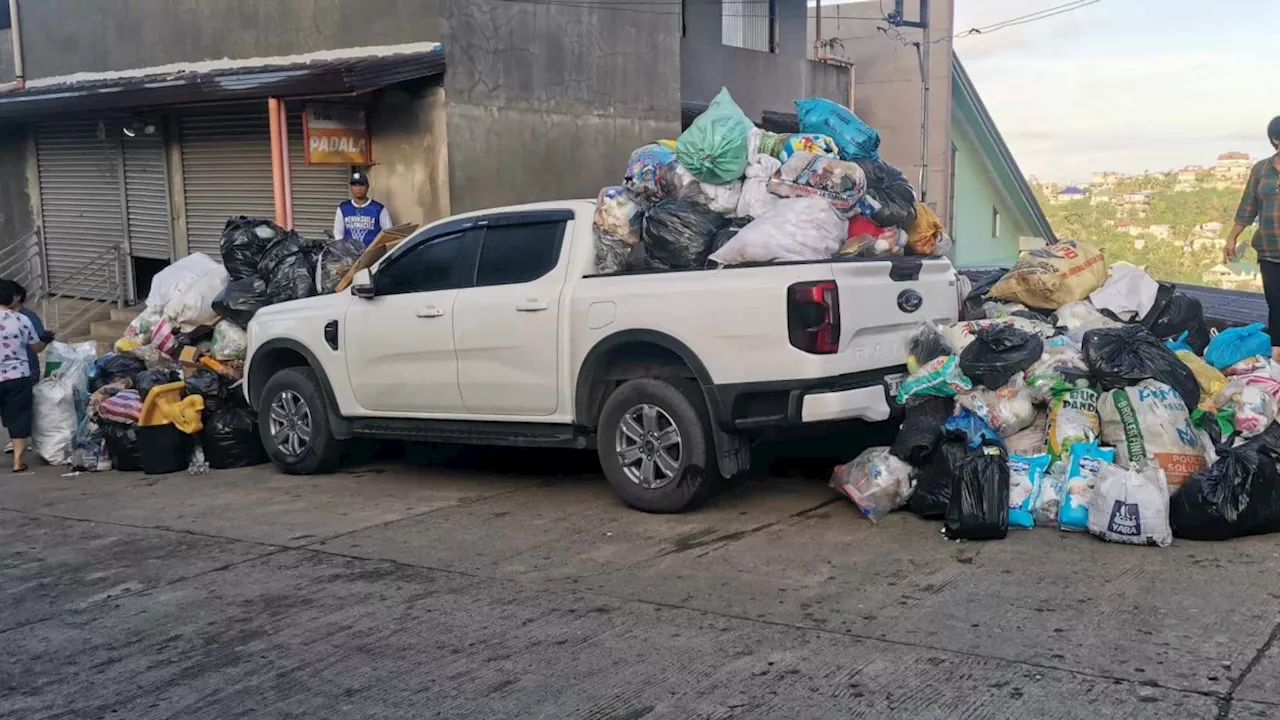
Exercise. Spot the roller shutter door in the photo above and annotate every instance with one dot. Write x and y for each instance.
(226, 171)
(146, 183)
(317, 189)
(80, 203)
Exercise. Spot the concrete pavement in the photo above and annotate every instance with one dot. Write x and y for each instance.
(511, 584)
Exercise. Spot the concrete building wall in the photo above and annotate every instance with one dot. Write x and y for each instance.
(887, 86)
(757, 80)
(410, 137)
(541, 101)
(61, 37)
(546, 102)
(977, 191)
(15, 202)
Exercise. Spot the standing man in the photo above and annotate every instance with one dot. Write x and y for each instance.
(1261, 202)
(360, 218)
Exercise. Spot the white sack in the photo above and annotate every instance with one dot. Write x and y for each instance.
(1128, 292)
(173, 280)
(755, 199)
(797, 229)
(723, 198)
(192, 306)
(53, 421)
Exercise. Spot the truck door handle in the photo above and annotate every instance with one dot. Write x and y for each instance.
(430, 312)
(531, 305)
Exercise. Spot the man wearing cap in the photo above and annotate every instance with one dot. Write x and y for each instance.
(360, 218)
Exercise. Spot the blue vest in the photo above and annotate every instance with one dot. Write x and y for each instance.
(362, 223)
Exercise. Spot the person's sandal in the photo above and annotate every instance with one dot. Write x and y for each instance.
(21, 468)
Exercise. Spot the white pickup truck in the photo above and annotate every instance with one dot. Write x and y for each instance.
(493, 328)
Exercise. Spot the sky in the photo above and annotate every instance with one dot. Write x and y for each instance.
(1126, 85)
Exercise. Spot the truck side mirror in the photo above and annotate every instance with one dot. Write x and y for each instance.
(362, 284)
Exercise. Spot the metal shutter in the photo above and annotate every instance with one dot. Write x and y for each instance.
(146, 186)
(226, 171)
(317, 189)
(80, 203)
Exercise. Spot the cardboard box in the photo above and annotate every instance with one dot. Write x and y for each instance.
(386, 241)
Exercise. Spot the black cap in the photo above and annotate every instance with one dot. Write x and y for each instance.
(359, 178)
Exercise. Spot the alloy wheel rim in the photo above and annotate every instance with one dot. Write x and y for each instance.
(290, 423)
(649, 446)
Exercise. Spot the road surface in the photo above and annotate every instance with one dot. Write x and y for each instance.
(511, 584)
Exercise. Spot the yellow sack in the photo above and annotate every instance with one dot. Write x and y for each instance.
(1210, 378)
(1053, 276)
(922, 235)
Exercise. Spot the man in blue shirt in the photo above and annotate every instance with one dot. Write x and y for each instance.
(360, 218)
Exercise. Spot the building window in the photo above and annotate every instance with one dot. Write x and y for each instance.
(749, 24)
(995, 222)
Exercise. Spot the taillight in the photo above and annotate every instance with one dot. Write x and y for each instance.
(813, 317)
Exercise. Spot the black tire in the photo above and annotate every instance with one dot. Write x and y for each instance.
(321, 453)
(684, 405)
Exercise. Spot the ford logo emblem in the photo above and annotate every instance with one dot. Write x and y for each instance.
(909, 301)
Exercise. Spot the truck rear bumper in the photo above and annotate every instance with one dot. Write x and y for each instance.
(791, 403)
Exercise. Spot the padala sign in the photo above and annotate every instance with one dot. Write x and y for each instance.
(336, 135)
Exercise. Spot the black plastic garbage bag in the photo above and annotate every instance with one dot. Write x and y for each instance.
(335, 260)
(677, 233)
(890, 188)
(288, 266)
(921, 433)
(211, 386)
(230, 438)
(116, 366)
(979, 504)
(241, 299)
(933, 484)
(997, 353)
(122, 445)
(971, 309)
(1175, 313)
(1126, 355)
(244, 241)
(1237, 496)
(144, 381)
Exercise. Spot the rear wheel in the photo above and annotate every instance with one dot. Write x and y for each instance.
(654, 442)
(293, 421)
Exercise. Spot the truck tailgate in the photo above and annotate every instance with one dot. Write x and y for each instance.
(882, 300)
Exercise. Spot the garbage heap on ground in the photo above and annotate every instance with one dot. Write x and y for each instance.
(729, 193)
(167, 397)
(1082, 398)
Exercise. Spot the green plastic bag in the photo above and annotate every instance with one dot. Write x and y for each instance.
(714, 148)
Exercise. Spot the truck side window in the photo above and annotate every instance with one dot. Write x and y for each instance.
(425, 267)
(518, 253)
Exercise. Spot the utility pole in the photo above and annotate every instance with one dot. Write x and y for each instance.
(817, 33)
(922, 57)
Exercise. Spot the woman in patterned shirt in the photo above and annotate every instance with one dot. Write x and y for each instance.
(17, 336)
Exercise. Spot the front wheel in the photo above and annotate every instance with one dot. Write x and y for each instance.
(654, 442)
(293, 421)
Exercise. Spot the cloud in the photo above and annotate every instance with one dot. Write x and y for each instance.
(1066, 116)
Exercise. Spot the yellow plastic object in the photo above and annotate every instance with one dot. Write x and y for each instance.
(1210, 378)
(127, 344)
(165, 405)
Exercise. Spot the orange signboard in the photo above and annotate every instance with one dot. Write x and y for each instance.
(336, 135)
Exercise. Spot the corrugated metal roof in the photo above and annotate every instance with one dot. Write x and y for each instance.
(316, 74)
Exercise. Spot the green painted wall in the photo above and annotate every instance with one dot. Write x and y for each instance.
(977, 190)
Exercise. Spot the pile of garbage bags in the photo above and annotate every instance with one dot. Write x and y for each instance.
(266, 265)
(729, 193)
(1086, 398)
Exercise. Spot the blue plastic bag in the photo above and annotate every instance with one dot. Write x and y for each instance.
(854, 138)
(1086, 459)
(1237, 343)
(1026, 473)
(972, 428)
(1180, 343)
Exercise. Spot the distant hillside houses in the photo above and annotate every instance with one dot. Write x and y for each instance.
(1233, 276)
(1071, 193)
